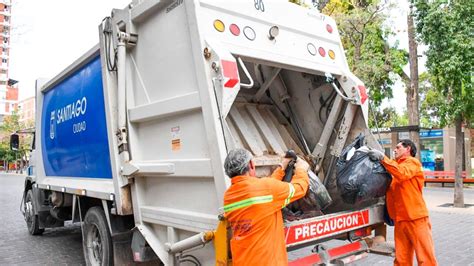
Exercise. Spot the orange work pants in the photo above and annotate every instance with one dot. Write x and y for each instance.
(414, 237)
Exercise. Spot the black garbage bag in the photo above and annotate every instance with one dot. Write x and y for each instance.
(316, 199)
(359, 178)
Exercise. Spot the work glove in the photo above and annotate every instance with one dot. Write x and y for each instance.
(375, 155)
(300, 163)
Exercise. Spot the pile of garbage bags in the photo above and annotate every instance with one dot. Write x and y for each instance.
(358, 177)
(311, 205)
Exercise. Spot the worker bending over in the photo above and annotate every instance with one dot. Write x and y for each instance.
(253, 208)
(406, 206)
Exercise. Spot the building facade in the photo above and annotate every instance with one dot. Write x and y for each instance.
(437, 147)
(26, 111)
(8, 87)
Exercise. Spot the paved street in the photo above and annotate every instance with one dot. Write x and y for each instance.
(453, 232)
(58, 246)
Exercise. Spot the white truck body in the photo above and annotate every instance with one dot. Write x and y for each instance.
(149, 137)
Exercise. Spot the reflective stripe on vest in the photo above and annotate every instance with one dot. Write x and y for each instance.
(291, 193)
(247, 202)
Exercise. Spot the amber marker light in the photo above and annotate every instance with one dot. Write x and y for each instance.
(219, 25)
(331, 54)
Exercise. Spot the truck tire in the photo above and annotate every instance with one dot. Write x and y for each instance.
(97, 243)
(32, 220)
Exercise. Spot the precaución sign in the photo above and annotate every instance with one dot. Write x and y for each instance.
(318, 228)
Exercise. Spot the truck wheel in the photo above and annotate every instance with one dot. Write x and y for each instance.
(97, 243)
(32, 220)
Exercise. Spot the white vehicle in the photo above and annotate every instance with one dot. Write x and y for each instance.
(131, 138)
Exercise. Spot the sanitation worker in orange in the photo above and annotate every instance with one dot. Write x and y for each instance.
(406, 206)
(253, 206)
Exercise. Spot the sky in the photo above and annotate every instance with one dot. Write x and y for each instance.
(397, 21)
(49, 35)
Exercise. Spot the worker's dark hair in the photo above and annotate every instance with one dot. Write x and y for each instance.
(406, 143)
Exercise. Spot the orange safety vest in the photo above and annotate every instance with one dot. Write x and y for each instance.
(405, 195)
(253, 208)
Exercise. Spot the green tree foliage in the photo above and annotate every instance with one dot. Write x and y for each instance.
(365, 40)
(300, 2)
(430, 102)
(448, 30)
(388, 117)
(10, 125)
(6, 154)
(370, 57)
(364, 36)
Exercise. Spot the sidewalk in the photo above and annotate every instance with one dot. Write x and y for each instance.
(453, 230)
(12, 173)
(437, 198)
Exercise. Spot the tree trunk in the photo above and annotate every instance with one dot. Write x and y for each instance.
(357, 48)
(458, 182)
(412, 90)
(321, 4)
(467, 150)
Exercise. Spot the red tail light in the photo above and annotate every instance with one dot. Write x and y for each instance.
(234, 29)
(363, 94)
(329, 28)
(322, 52)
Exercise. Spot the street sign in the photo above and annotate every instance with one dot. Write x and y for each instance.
(431, 133)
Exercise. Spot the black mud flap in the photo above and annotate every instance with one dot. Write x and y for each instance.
(142, 252)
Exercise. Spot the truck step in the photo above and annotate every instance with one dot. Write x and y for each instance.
(384, 248)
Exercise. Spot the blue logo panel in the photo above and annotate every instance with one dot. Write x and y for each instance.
(74, 138)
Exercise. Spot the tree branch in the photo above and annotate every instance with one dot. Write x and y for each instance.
(405, 78)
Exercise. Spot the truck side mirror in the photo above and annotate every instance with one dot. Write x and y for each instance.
(14, 142)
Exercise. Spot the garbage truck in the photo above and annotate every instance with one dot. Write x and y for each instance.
(131, 138)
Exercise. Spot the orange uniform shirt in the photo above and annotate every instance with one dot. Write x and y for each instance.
(253, 208)
(405, 195)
